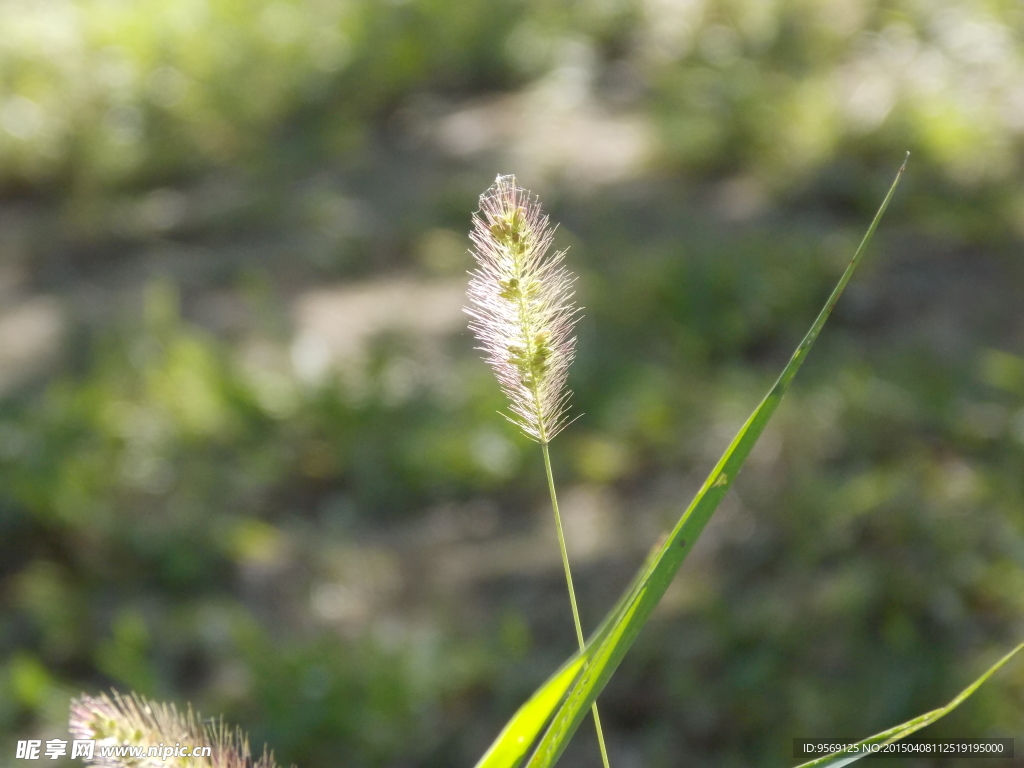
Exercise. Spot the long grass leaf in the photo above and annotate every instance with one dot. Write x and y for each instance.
(901, 731)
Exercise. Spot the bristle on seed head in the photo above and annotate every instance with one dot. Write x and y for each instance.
(520, 307)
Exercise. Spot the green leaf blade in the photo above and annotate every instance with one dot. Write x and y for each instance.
(901, 731)
(611, 642)
(519, 733)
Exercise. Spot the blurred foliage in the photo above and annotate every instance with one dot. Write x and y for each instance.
(195, 506)
(114, 93)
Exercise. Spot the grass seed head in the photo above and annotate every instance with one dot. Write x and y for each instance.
(132, 721)
(520, 307)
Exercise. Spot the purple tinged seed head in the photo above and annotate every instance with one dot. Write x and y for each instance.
(520, 307)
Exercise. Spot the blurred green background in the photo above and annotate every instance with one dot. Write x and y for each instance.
(250, 460)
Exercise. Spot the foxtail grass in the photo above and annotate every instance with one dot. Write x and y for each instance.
(522, 313)
(133, 721)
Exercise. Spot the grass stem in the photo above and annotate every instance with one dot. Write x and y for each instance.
(572, 592)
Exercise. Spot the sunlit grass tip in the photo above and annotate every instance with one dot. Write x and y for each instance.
(521, 308)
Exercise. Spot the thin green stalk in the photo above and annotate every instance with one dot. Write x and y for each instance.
(572, 592)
